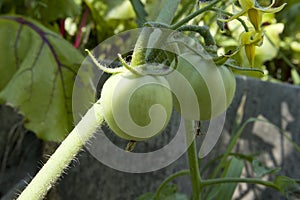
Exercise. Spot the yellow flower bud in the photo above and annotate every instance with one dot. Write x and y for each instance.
(250, 53)
(255, 17)
(249, 40)
(254, 12)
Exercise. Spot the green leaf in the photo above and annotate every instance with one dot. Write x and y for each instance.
(176, 196)
(167, 12)
(140, 11)
(169, 192)
(111, 17)
(51, 10)
(146, 196)
(290, 16)
(212, 162)
(171, 196)
(260, 169)
(233, 169)
(288, 186)
(37, 72)
(151, 7)
(98, 10)
(236, 134)
(123, 10)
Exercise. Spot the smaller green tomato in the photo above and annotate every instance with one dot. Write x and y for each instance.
(136, 107)
(201, 89)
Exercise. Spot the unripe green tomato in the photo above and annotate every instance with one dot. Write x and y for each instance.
(136, 107)
(201, 89)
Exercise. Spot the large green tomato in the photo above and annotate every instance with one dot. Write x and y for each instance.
(136, 107)
(201, 89)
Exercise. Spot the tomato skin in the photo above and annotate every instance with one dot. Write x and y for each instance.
(201, 90)
(136, 107)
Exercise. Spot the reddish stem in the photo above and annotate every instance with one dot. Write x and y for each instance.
(82, 24)
(62, 27)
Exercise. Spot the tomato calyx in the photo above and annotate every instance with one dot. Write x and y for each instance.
(103, 68)
(152, 69)
(157, 69)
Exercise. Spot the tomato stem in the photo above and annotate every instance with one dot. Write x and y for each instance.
(202, 30)
(245, 69)
(194, 14)
(139, 52)
(230, 14)
(239, 180)
(63, 156)
(193, 160)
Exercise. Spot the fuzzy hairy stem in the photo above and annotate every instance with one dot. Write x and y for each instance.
(64, 154)
(165, 16)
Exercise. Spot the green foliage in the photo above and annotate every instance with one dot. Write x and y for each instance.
(110, 18)
(289, 187)
(38, 67)
(233, 168)
(106, 18)
(37, 70)
(279, 53)
(48, 10)
(140, 11)
(146, 196)
(290, 15)
(261, 170)
(288, 68)
(45, 10)
(168, 192)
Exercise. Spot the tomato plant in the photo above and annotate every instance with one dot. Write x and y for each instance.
(135, 104)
